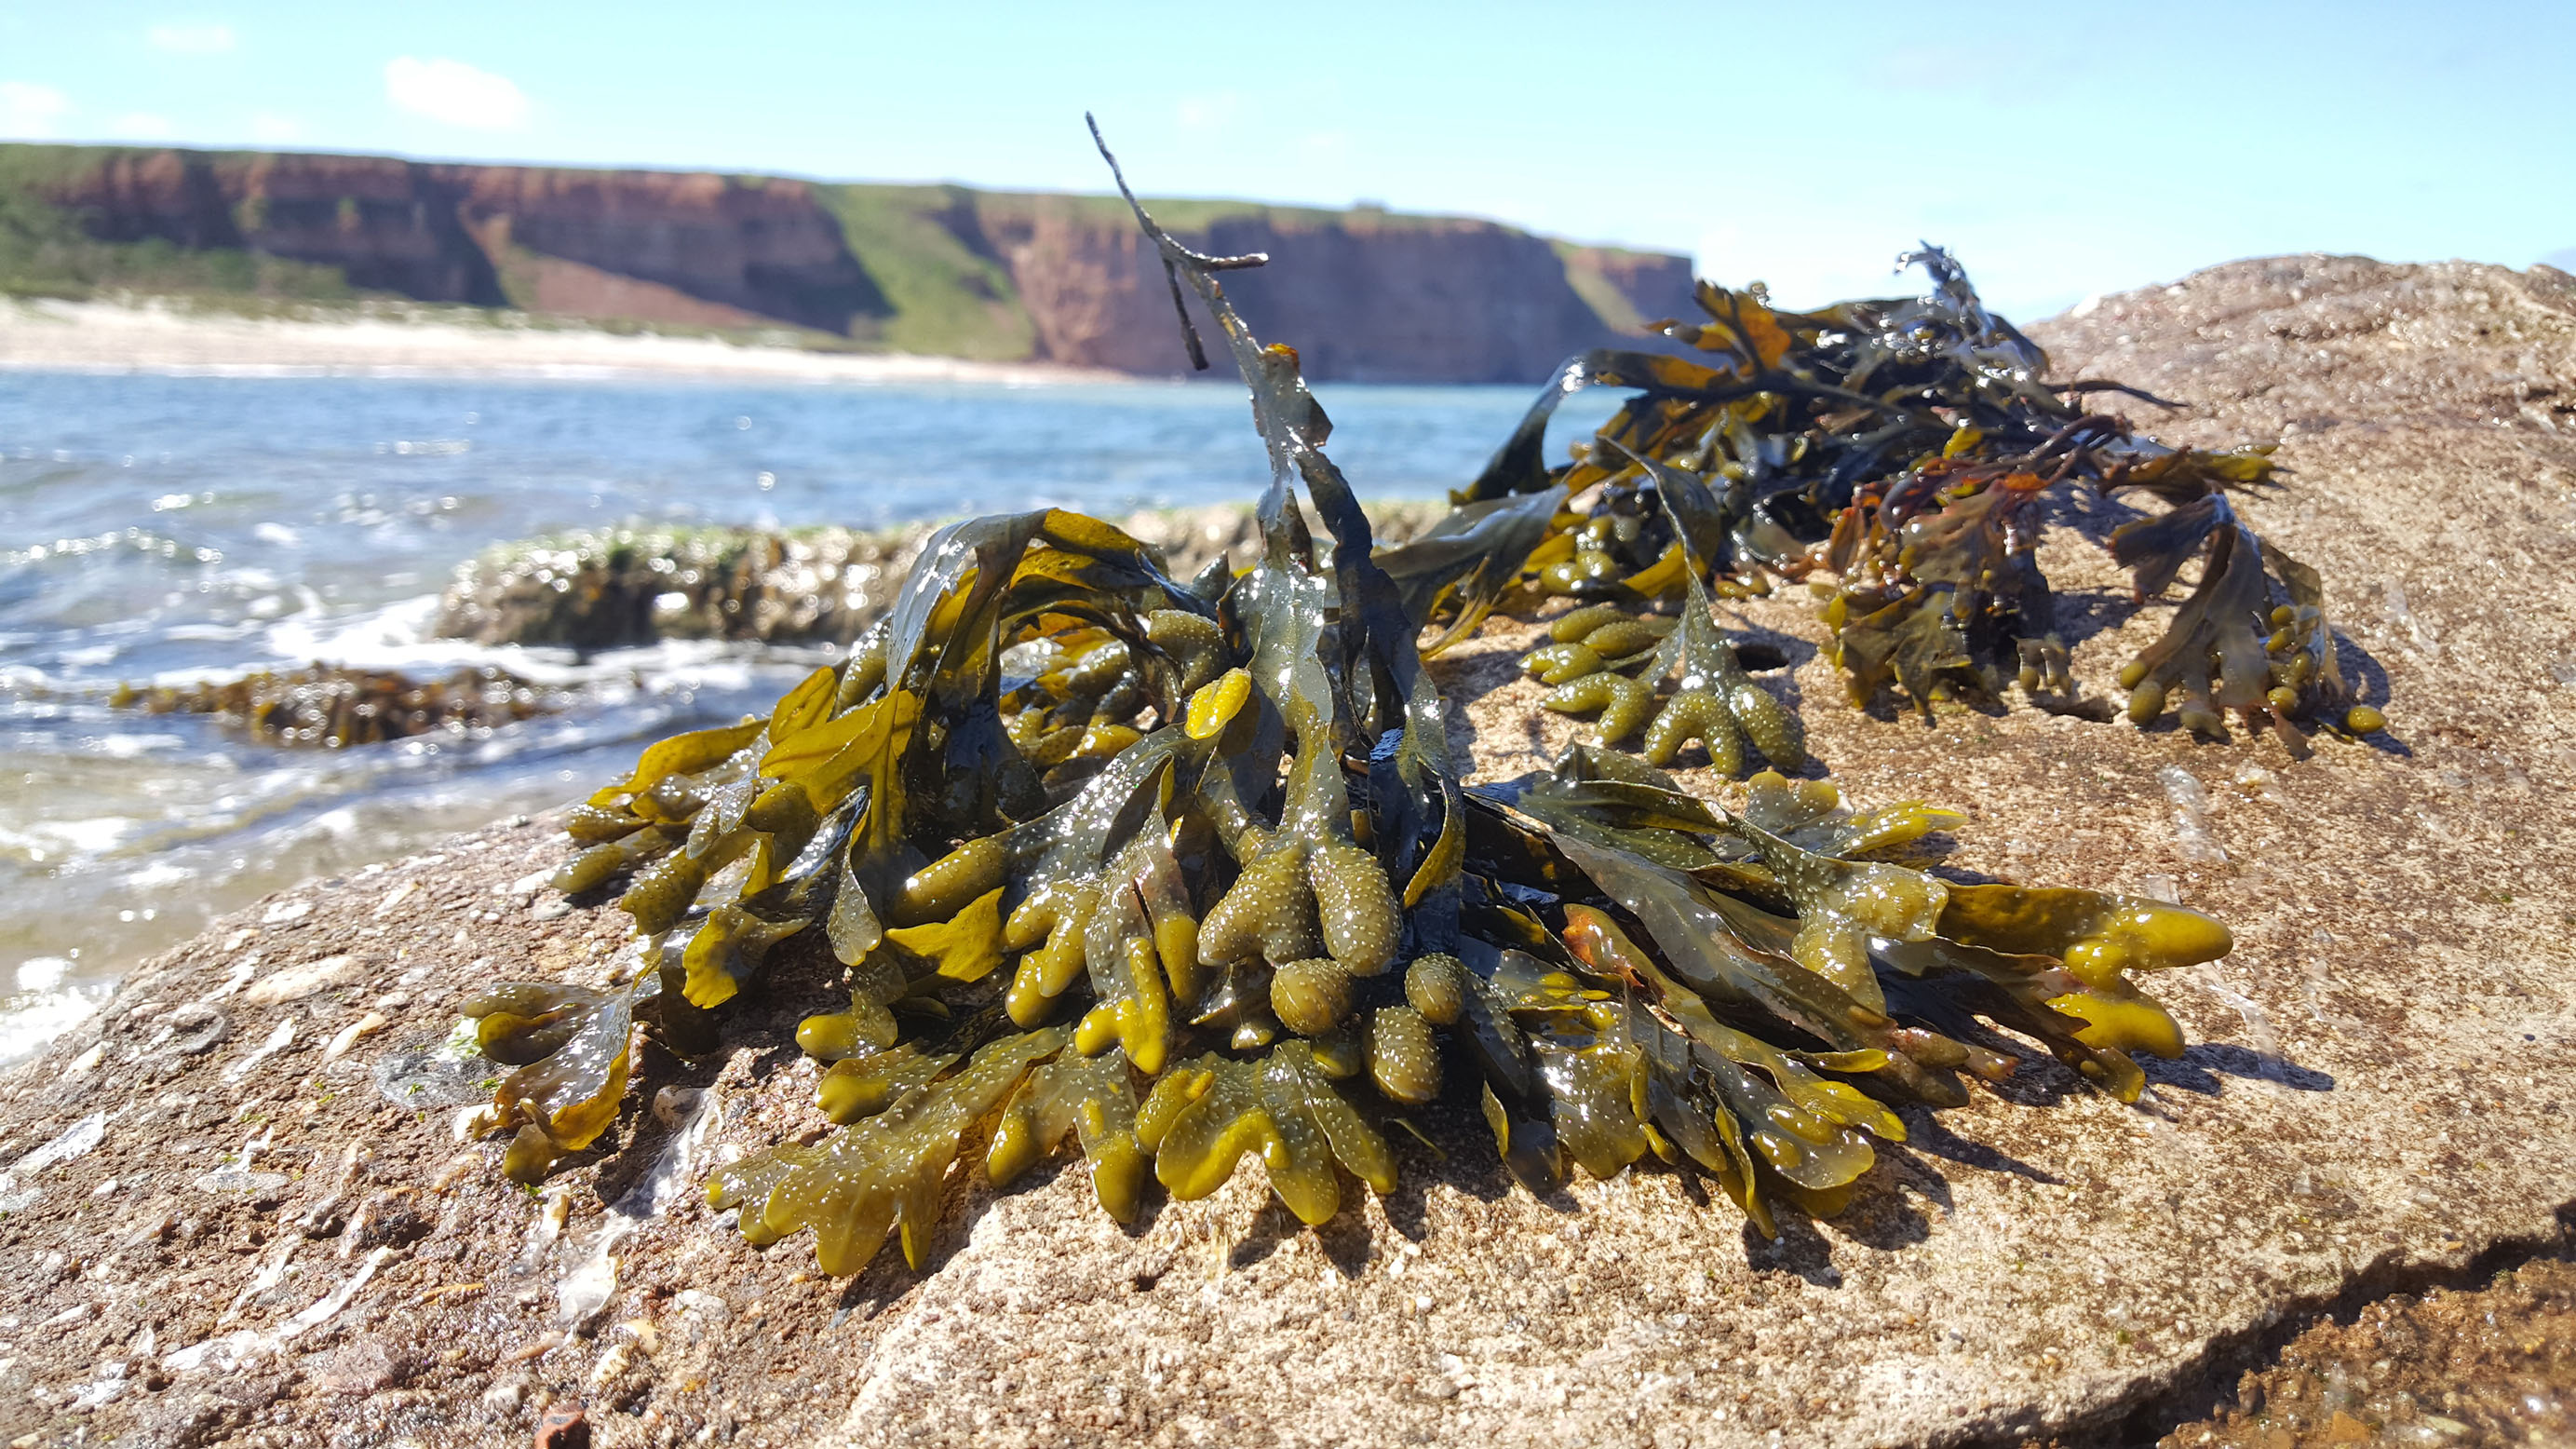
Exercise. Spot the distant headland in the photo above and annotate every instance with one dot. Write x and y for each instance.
(935, 270)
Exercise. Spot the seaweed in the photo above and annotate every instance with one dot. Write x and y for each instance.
(1911, 447)
(883, 1173)
(2251, 636)
(1182, 872)
(1713, 700)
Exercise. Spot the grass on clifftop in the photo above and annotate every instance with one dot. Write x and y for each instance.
(44, 253)
(949, 299)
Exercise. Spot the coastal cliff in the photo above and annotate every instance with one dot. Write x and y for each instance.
(1019, 277)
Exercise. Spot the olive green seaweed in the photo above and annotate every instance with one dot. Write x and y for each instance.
(1911, 448)
(1182, 871)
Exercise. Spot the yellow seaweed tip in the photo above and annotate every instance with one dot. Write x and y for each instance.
(2121, 1024)
(2147, 936)
(1141, 1021)
(967, 947)
(1215, 704)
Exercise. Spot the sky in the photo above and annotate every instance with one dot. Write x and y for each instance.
(2060, 151)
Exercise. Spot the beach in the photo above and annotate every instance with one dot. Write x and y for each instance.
(163, 335)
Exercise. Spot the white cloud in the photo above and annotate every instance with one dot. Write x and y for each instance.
(190, 39)
(455, 94)
(30, 111)
(274, 130)
(143, 126)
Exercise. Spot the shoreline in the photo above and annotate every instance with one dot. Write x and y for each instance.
(154, 336)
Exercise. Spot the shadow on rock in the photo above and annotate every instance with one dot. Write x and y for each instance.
(2203, 1063)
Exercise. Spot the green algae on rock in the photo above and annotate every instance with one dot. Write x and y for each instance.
(1246, 908)
(333, 707)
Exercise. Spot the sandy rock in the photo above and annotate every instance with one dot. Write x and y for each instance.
(2377, 1094)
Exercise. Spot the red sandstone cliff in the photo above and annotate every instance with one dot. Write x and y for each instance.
(1363, 294)
(583, 243)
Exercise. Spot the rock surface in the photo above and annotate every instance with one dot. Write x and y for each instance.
(239, 1210)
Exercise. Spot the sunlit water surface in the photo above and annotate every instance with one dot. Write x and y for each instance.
(171, 529)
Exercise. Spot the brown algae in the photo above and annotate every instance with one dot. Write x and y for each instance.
(1181, 870)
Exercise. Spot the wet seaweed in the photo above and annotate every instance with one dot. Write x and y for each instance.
(1910, 449)
(1183, 872)
(1595, 666)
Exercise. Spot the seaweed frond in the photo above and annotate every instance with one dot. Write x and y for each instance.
(1912, 448)
(1182, 872)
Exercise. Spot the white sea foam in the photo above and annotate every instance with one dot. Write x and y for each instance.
(55, 838)
(127, 747)
(31, 1020)
(158, 874)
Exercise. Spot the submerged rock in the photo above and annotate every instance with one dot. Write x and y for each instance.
(333, 707)
(626, 587)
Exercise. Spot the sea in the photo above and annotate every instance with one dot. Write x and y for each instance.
(172, 529)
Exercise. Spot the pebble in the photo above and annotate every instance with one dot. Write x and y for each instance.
(612, 1365)
(297, 982)
(243, 970)
(239, 1179)
(349, 1035)
(74, 1142)
(564, 1427)
(197, 1028)
(698, 1300)
(673, 1104)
